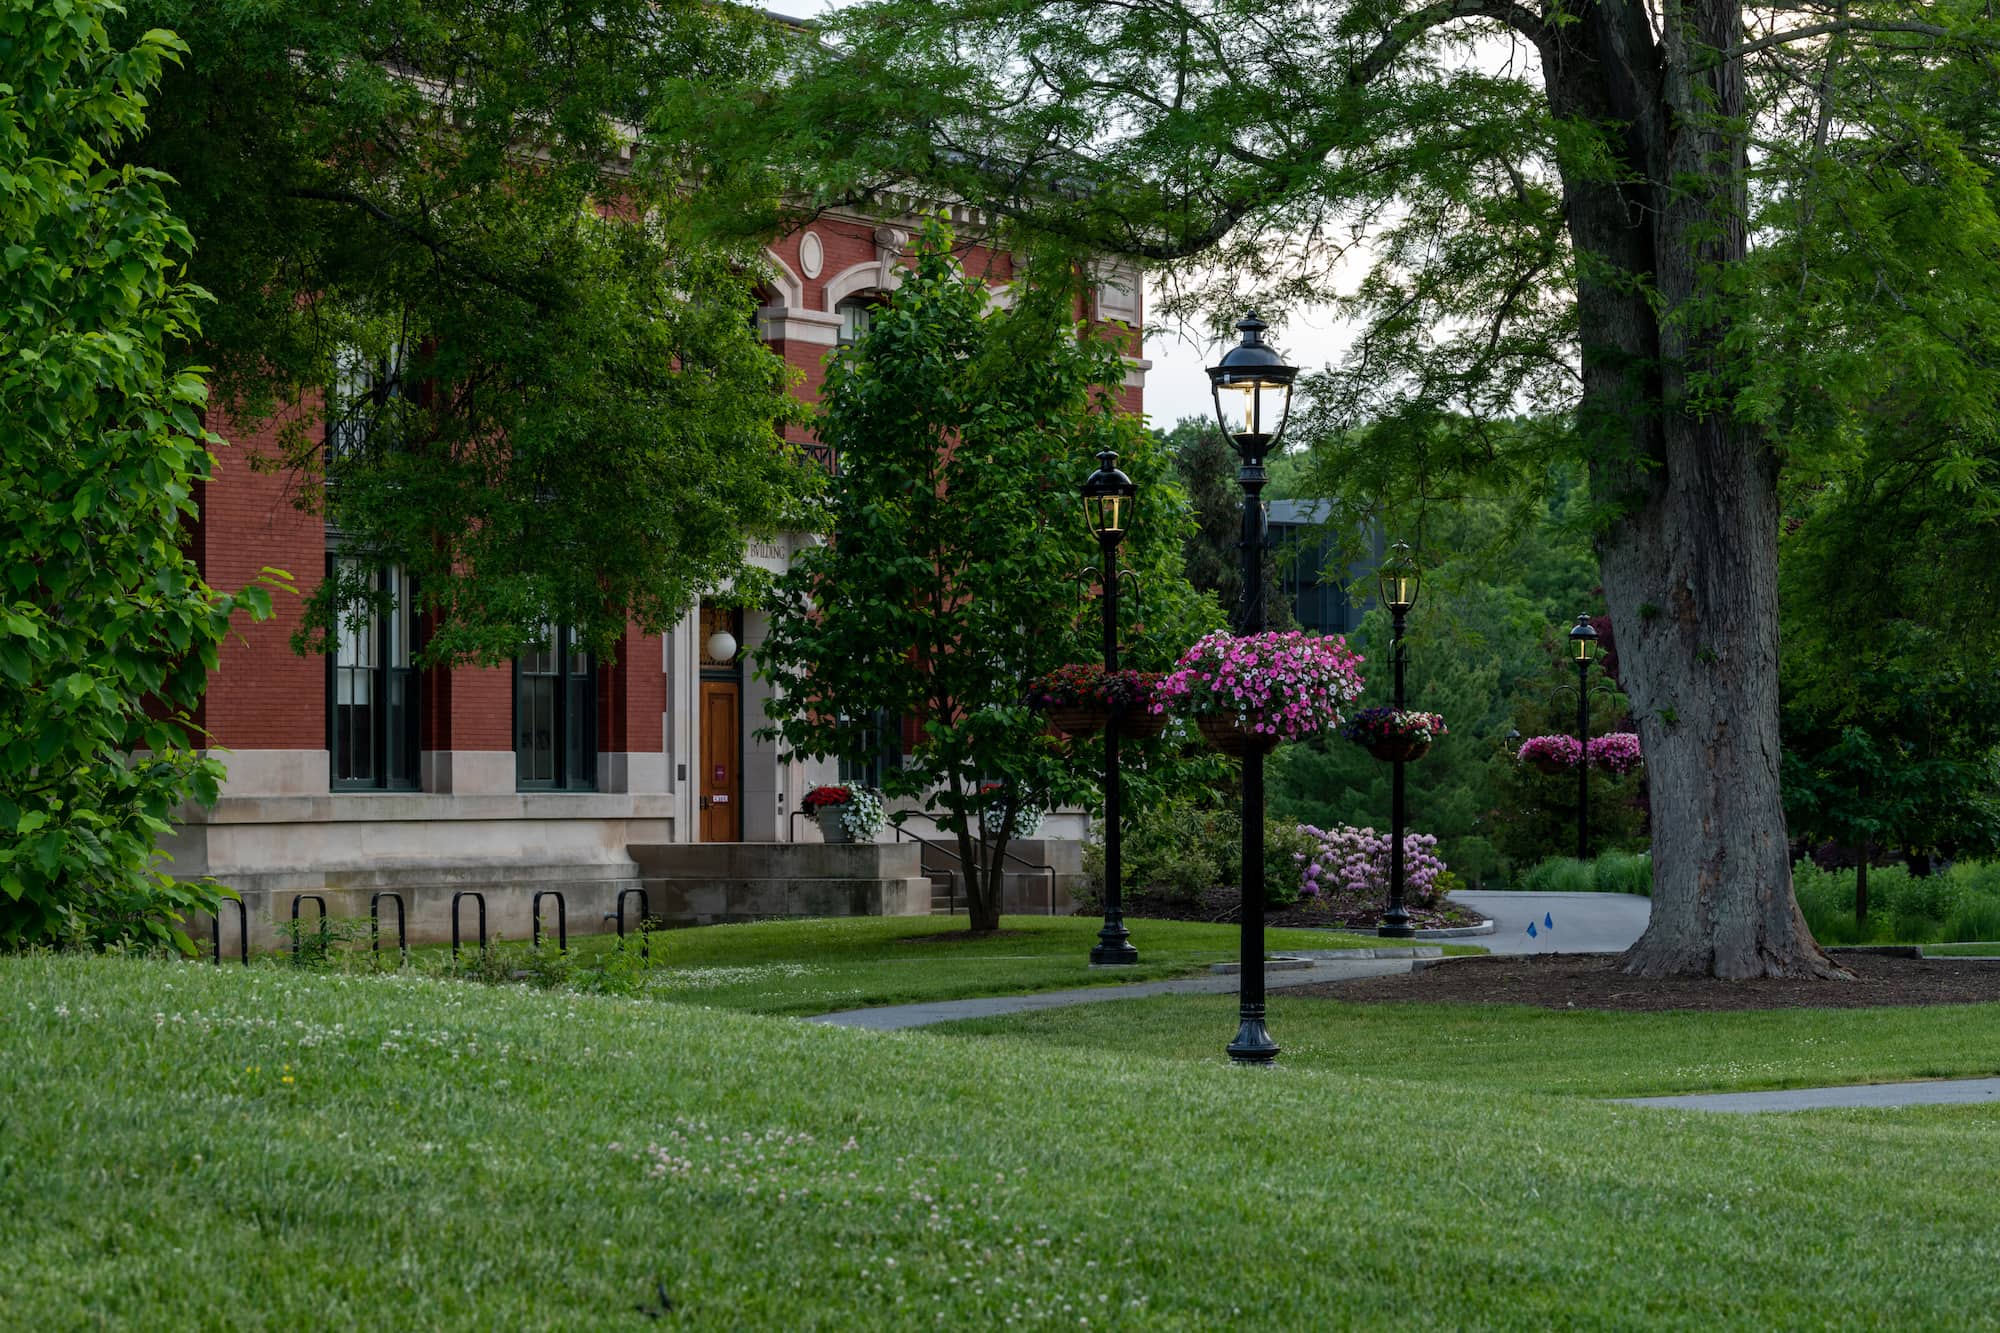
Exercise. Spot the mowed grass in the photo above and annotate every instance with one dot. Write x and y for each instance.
(816, 966)
(192, 1147)
(1515, 1048)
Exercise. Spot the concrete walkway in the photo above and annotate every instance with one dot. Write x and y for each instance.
(1862, 1096)
(890, 1018)
(1584, 922)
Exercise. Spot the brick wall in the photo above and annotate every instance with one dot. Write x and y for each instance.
(262, 695)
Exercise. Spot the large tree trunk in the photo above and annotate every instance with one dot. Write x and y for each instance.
(1690, 566)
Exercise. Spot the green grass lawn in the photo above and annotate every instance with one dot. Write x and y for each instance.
(193, 1147)
(1970, 949)
(812, 967)
(1518, 1049)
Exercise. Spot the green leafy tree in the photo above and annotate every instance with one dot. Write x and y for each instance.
(1892, 703)
(1493, 593)
(548, 401)
(1568, 230)
(106, 629)
(1207, 466)
(951, 578)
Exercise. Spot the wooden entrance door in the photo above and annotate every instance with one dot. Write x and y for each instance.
(721, 745)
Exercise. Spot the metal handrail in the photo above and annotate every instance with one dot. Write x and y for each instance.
(1021, 861)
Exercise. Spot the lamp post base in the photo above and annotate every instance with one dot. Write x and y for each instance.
(1113, 947)
(1253, 1044)
(1395, 925)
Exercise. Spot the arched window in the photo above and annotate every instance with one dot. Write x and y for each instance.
(856, 314)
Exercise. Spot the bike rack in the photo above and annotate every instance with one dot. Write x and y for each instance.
(479, 899)
(562, 917)
(306, 898)
(645, 910)
(375, 923)
(242, 930)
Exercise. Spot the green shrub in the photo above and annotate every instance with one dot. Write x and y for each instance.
(1613, 872)
(1962, 903)
(1624, 872)
(1286, 850)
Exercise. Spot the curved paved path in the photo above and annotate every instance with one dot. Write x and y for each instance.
(1584, 922)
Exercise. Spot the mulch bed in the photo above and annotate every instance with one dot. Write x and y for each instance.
(1593, 981)
(1226, 904)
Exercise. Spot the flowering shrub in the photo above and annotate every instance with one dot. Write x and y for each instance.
(1616, 753)
(820, 796)
(863, 816)
(1372, 726)
(1288, 685)
(1084, 686)
(1549, 751)
(1353, 864)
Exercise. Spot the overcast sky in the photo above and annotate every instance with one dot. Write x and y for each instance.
(1176, 386)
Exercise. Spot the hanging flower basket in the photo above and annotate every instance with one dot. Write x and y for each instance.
(1080, 698)
(1260, 689)
(1391, 735)
(1225, 735)
(1553, 755)
(1078, 719)
(1399, 749)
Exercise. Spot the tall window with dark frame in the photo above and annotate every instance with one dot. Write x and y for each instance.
(555, 717)
(372, 738)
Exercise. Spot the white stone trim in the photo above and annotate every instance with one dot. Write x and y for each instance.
(789, 324)
(631, 771)
(790, 288)
(469, 772)
(872, 276)
(275, 772)
(1118, 291)
(812, 254)
(1135, 371)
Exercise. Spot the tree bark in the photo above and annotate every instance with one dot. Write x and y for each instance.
(1690, 566)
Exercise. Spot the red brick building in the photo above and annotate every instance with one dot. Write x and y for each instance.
(352, 772)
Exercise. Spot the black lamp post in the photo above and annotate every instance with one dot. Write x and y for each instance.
(1108, 497)
(1253, 396)
(1583, 646)
(1396, 582)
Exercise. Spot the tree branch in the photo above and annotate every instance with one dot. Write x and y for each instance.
(443, 251)
(1844, 25)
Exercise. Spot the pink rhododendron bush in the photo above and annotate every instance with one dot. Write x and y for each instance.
(1348, 870)
(1289, 685)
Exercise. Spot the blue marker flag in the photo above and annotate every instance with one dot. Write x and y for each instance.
(1531, 930)
(1548, 920)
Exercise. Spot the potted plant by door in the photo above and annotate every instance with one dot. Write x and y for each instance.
(1247, 693)
(1391, 735)
(845, 814)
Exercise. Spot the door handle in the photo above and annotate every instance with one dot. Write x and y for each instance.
(704, 803)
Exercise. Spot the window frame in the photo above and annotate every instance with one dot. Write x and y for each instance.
(396, 694)
(573, 714)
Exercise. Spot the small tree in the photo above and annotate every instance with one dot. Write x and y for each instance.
(106, 630)
(951, 578)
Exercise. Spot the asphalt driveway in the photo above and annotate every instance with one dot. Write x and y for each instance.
(1563, 922)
